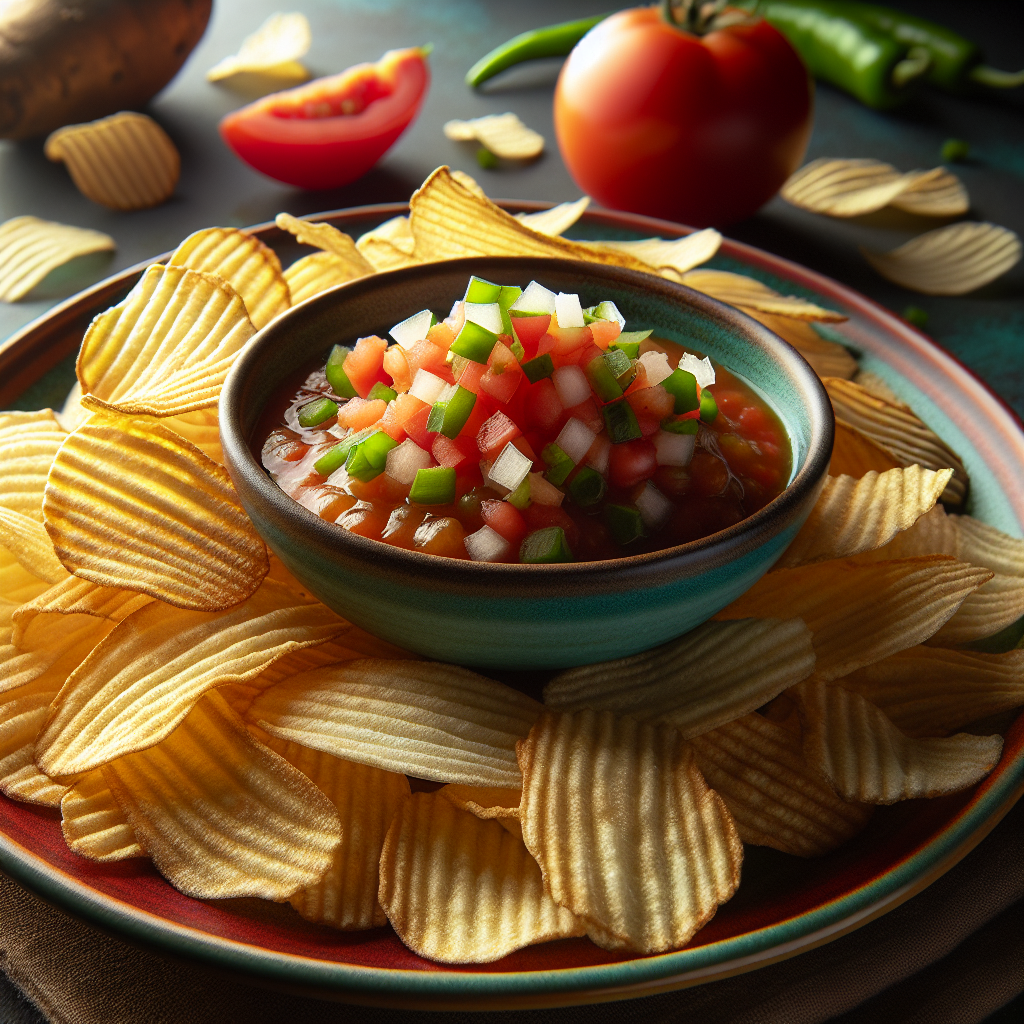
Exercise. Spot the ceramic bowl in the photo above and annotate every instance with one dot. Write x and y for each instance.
(524, 616)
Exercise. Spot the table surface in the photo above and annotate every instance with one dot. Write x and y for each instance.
(984, 329)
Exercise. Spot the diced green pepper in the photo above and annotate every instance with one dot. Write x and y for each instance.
(621, 422)
(606, 310)
(674, 426)
(547, 545)
(486, 159)
(367, 459)
(682, 385)
(317, 411)
(479, 290)
(602, 378)
(449, 413)
(587, 487)
(336, 376)
(509, 294)
(539, 368)
(560, 463)
(625, 523)
(631, 348)
(520, 497)
(336, 457)
(381, 391)
(516, 348)
(474, 342)
(708, 407)
(433, 486)
(618, 362)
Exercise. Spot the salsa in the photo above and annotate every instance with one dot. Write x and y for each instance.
(525, 428)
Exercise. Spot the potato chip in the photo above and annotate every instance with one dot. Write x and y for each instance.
(627, 834)
(75, 596)
(488, 802)
(827, 358)
(220, 814)
(396, 232)
(894, 427)
(72, 413)
(866, 758)
(433, 721)
(503, 134)
(136, 505)
(314, 274)
(328, 238)
(28, 444)
(22, 713)
(93, 823)
(467, 181)
(250, 266)
(273, 50)
(31, 248)
(860, 613)
(854, 515)
(27, 540)
(17, 584)
(936, 193)
(124, 162)
(166, 349)
(990, 609)
(854, 454)
(146, 676)
(740, 290)
(557, 220)
(458, 889)
(953, 260)
(678, 255)
(928, 691)
(776, 799)
(201, 428)
(875, 384)
(983, 544)
(743, 665)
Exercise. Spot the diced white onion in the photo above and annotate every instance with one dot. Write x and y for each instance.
(486, 314)
(405, 461)
(575, 439)
(599, 453)
(571, 384)
(427, 386)
(700, 368)
(544, 492)
(486, 545)
(607, 310)
(535, 299)
(568, 310)
(510, 467)
(673, 449)
(408, 332)
(654, 507)
(657, 367)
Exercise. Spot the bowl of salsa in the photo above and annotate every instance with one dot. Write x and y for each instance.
(524, 463)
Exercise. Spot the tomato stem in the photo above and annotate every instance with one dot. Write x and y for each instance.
(699, 17)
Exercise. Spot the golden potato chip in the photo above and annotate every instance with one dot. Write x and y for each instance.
(124, 162)
(72, 413)
(827, 358)
(983, 544)
(136, 505)
(860, 613)
(929, 691)
(328, 238)
(557, 220)
(775, 797)
(390, 245)
(273, 50)
(503, 134)
(953, 260)
(854, 454)
(166, 349)
(17, 584)
(315, 273)
(150, 671)
(990, 609)
(22, 713)
(743, 665)
(875, 384)
(75, 596)
(31, 248)
(895, 428)
(222, 815)
(202, 428)
(937, 193)
(93, 823)
(28, 444)
(27, 540)
(676, 256)
(459, 889)
(250, 266)
(467, 181)
(741, 290)
(433, 721)
(866, 758)
(625, 830)
(488, 802)
(854, 515)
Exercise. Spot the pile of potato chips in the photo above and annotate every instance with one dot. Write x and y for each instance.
(179, 696)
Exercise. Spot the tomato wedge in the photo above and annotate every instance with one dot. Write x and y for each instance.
(333, 130)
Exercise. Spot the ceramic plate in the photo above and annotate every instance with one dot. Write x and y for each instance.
(784, 905)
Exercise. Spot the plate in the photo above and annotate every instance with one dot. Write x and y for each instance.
(784, 906)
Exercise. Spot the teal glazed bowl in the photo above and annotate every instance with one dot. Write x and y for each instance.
(512, 616)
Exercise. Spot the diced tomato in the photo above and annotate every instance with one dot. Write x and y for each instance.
(545, 345)
(494, 434)
(441, 335)
(588, 353)
(456, 321)
(729, 402)
(471, 374)
(568, 339)
(503, 376)
(529, 330)
(649, 425)
(398, 412)
(525, 447)
(588, 413)
(416, 428)
(482, 409)
(325, 500)
(468, 478)
(441, 537)
(381, 488)
(358, 413)
(654, 402)
(631, 462)
(396, 366)
(604, 332)
(543, 408)
(282, 447)
(426, 356)
(364, 363)
(639, 381)
(402, 526)
(366, 518)
(453, 454)
(539, 516)
(505, 519)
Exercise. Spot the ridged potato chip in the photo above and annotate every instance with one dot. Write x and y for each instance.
(124, 162)
(459, 889)
(953, 260)
(678, 256)
(984, 545)
(26, 538)
(860, 613)
(743, 665)
(202, 428)
(503, 134)
(93, 823)
(433, 721)
(250, 266)
(29, 442)
(315, 273)
(273, 50)
(775, 797)
(895, 428)
(937, 193)
(22, 713)
(222, 815)
(146, 676)
(854, 454)
(557, 220)
(31, 248)
(875, 384)
(928, 691)
(487, 802)
(827, 358)
(72, 413)
(854, 515)
(866, 758)
(741, 290)
(328, 238)
(75, 596)
(166, 349)
(625, 830)
(990, 609)
(17, 585)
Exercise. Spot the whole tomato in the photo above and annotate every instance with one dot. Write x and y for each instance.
(701, 129)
